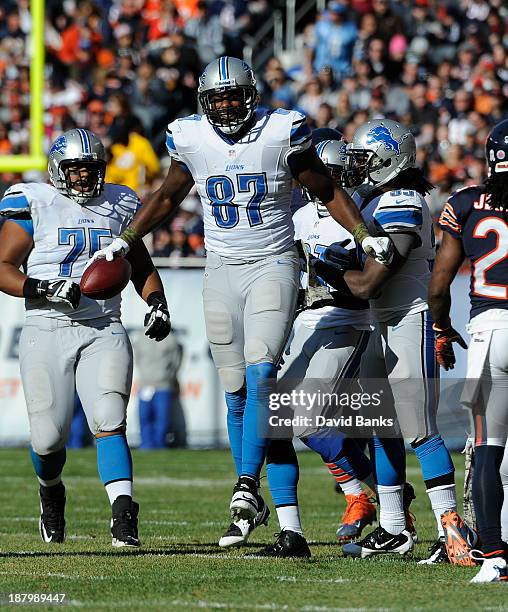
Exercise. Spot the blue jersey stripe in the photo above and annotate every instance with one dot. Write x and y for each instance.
(170, 143)
(300, 132)
(407, 217)
(14, 202)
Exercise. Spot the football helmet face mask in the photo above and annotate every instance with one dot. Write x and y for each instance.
(496, 149)
(77, 165)
(331, 149)
(227, 93)
(378, 152)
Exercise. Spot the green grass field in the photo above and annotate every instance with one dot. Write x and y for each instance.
(184, 497)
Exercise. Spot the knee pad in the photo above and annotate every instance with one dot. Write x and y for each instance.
(232, 379)
(257, 351)
(219, 324)
(46, 437)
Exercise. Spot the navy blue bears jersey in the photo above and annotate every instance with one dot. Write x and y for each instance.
(468, 217)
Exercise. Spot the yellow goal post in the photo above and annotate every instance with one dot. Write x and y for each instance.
(36, 159)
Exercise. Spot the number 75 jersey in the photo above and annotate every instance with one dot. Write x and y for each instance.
(468, 217)
(65, 236)
(244, 186)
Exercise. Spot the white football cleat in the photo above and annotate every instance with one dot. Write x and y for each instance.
(492, 570)
(244, 503)
(239, 531)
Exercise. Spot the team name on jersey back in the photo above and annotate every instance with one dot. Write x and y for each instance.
(483, 230)
(66, 235)
(244, 185)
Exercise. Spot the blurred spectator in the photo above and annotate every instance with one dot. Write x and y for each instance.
(207, 32)
(157, 364)
(335, 36)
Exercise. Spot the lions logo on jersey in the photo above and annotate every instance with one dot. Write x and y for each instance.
(383, 135)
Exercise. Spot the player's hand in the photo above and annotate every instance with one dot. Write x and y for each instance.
(445, 338)
(60, 292)
(380, 248)
(118, 248)
(338, 257)
(157, 320)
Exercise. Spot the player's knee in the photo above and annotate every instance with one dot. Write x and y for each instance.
(109, 413)
(256, 351)
(232, 379)
(46, 437)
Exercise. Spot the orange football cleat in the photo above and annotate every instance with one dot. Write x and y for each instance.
(359, 513)
(460, 539)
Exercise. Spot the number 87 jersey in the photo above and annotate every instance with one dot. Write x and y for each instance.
(483, 231)
(244, 185)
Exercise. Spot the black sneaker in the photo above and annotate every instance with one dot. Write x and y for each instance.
(244, 503)
(288, 544)
(239, 531)
(437, 554)
(124, 523)
(408, 495)
(52, 520)
(379, 542)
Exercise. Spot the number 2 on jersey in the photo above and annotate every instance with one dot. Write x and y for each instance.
(76, 238)
(221, 192)
(490, 259)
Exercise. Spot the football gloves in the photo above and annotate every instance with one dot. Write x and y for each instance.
(445, 338)
(157, 320)
(379, 248)
(60, 292)
(118, 248)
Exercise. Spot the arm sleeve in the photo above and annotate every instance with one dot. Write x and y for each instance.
(450, 219)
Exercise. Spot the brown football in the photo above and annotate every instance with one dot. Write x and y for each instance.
(104, 279)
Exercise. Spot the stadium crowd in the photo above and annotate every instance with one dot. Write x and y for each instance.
(125, 68)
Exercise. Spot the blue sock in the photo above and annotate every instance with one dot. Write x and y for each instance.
(114, 460)
(388, 457)
(435, 459)
(255, 418)
(329, 443)
(49, 467)
(283, 473)
(235, 403)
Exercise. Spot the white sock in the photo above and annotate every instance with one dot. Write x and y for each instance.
(289, 519)
(117, 488)
(442, 499)
(50, 483)
(351, 487)
(391, 509)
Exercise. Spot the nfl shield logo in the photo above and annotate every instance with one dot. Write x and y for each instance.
(232, 152)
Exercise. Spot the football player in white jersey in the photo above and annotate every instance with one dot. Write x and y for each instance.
(70, 342)
(390, 193)
(242, 160)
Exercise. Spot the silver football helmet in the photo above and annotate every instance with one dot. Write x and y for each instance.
(234, 77)
(378, 152)
(331, 149)
(77, 165)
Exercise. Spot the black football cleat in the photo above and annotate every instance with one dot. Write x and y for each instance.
(288, 544)
(52, 520)
(124, 522)
(437, 554)
(379, 542)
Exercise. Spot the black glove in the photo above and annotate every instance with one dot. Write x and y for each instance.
(57, 291)
(157, 320)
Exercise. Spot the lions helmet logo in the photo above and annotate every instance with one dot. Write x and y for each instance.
(382, 134)
(59, 145)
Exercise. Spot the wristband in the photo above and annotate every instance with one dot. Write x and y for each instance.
(31, 288)
(155, 298)
(129, 236)
(360, 232)
(440, 330)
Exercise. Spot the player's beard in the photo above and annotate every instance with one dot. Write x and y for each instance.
(497, 187)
